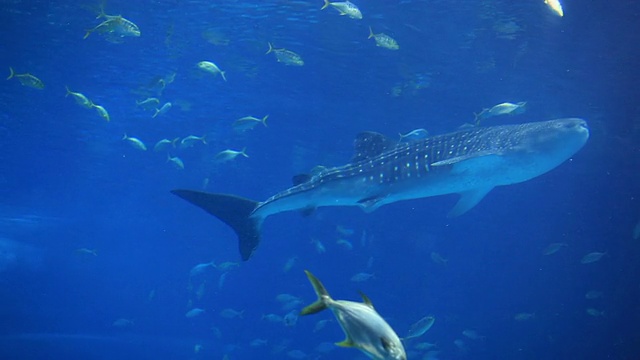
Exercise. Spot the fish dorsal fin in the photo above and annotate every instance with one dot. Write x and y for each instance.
(346, 343)
(370, 144)
(366, 300)
(300, 179)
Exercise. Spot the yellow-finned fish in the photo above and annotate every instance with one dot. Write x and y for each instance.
(227, 155)
(101, 111)
(344, 8)
(79, 98)
(114, 28)
(555, 6)
(212, 68)
(135, 142)
(364, 328)
(285, 56)
(26, 79)
(249, 122)
(384, 40)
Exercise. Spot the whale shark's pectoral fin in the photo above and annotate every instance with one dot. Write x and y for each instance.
(371, 203)
(468, 200)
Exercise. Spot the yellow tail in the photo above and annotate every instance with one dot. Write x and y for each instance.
(326, 4)
(322, 293)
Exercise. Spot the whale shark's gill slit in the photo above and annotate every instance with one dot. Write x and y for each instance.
(234, 211)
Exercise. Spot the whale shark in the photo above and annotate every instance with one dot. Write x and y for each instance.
(469, 162)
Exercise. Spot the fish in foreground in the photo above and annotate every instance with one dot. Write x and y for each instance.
(344, 8)
(469, 162)
(417, 134)
(228, 155)
(135, 142)
(26, 79)
(114, 28)
(102, 112)
(501, 109)
(211, 68)
(79, 98)
(285, 56)
(384, 40)
(364, 328)
(555, 6)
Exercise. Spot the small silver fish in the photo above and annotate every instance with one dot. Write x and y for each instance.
(26, 79)
(420, 327)
(193, 313)
(114, 28)
(344, 8)
(165, 144)
(592, 257)
(364, 328)
(501, 109)
(163, 110)
(135, 142)
(227, 155)
(231, 313)
(438, 259)
(285, 56)
(192, 139)
(102, 112)
(383, 40)
(201, 268)
(524, 316)
(79, 98)
(248, 122)
(148, 103)
(362, 276)
(414, 135)
(176, 161)
(211, 68)
(553, 248)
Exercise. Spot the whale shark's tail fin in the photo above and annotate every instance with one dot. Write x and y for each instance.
(233, 211)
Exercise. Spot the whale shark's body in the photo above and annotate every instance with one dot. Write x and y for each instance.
(469, 162)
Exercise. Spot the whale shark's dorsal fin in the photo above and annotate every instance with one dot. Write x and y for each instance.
(369, 144)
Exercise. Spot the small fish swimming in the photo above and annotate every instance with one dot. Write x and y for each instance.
(192, 139)
(501, 109)
(114, 28)
(135, 142)
(384, 40)
(417, 134)
(231, 313)
(248, 123)
(472, 334)
(420, 327)
(362, 276)
(79, 98)
(148, 103)
(344, 8)
(592, 257)
(364, 328)
(285, 56)
(555, 6)
(176, 161)
(26, 79)
(201, 268)
(595, 312)
(345, 244)
(554, 248)
(211, 68)
(227, 155)
(102, 112)
(165, 144)
(163, 110)
(193, 313)
(319, 246)
(438, 258)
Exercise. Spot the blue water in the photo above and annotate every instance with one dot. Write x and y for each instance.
(70, 182)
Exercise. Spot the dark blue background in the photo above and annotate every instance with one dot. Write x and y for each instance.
(68, 181)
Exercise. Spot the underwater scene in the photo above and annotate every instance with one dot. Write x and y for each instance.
(310, 179)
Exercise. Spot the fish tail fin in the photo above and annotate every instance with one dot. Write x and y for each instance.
(234, 211)
(326, 4)
(270, 48)
(11, 73)
(204, 139)
(156, 113)
(244, 152)
(370, 33)
(264, 120)
(323, 296)
(223, 77)
(68, 91)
